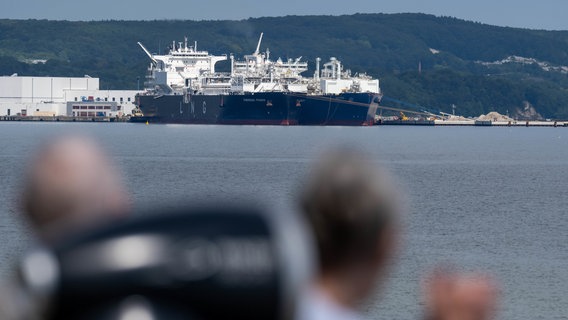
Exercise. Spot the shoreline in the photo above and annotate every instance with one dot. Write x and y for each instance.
(431, 123)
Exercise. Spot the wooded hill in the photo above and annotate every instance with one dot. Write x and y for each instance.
(427, 61)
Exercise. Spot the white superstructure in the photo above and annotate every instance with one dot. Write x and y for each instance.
(188, 71)
(335, 80)
(182, 66)
(257, 73)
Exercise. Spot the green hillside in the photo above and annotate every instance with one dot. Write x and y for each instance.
(458, 59)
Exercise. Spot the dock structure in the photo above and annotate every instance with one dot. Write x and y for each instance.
(63, 119)
(440, 123)
(476, 123)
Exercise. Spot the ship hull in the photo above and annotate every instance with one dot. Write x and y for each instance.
(267, 108)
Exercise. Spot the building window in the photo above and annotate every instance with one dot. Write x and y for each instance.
(128, 99)
(106, 99)
(37, 110)
(121, 99)
(113, 99)
(75, 98)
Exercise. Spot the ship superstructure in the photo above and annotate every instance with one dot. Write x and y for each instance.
(257, 73)
(184, 66)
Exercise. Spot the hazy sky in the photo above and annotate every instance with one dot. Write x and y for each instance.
(544, 14)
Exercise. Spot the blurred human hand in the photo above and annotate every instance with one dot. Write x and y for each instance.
(452, 296)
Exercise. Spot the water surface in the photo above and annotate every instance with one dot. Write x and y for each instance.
(489, 199)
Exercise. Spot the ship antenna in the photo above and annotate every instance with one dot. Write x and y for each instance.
(257, 51)
(185, 43)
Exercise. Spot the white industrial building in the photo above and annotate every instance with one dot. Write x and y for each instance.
(60, 96)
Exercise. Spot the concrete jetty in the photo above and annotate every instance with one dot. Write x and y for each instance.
(476, 123)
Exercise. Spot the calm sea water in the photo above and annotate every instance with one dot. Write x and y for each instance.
(491, 199)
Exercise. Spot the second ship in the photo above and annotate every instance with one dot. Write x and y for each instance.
(183, 87)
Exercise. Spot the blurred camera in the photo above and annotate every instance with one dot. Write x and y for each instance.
(237, 262)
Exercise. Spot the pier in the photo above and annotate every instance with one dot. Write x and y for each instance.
(474, 123)
(64, 119)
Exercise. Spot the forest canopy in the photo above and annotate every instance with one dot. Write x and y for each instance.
(423, 60)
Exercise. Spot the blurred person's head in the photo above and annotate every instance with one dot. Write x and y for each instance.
(352, 207)
(71, 185)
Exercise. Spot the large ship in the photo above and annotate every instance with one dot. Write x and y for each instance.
(184, 87)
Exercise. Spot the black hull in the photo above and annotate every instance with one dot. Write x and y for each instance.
(269, 108)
